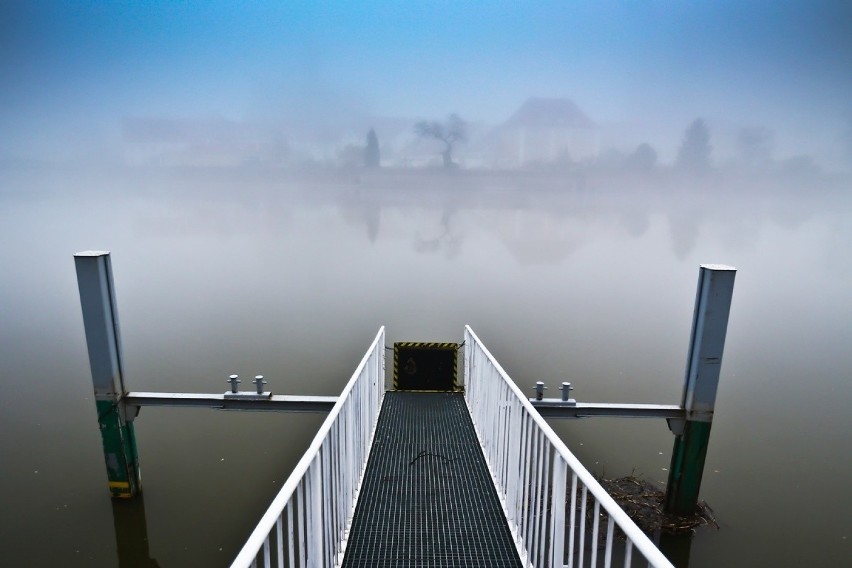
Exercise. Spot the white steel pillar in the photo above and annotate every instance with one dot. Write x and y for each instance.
(100, 320)
(703, 364)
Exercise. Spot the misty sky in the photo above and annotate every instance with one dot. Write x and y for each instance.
(81, 66)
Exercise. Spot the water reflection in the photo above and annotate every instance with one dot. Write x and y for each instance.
(677, 548)
(540, 219)
(684, 233)
(131, 533)
(446, 237)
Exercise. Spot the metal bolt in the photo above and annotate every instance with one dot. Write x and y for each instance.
(566, 389)
(539, 390)
(259, 382)
(234, 380)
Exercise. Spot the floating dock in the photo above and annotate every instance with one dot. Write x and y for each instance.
(449, 469)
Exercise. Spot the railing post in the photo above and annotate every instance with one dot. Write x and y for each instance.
(704, 361)
(100, 320)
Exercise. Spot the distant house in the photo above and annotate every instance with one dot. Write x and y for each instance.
(546, 131)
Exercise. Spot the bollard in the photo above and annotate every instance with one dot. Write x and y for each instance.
(103, 342)
(704, 361)
(566, 389)
(259, 382)
(539, 390)
(235, 381)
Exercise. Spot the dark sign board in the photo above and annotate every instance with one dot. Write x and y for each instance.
(425, 366)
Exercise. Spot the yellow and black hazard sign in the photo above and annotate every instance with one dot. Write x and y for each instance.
(425, 366)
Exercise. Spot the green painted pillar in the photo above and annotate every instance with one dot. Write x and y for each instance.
(100, 320)
(704, 362)
(687, 468)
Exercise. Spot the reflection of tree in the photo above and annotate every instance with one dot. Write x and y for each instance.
(369, 213)
(684, 231)
(447, 240)
(373, 218)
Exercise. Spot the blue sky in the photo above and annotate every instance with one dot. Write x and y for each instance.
(783, 63)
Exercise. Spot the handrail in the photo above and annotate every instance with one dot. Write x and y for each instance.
(326, 480)
(529, 464)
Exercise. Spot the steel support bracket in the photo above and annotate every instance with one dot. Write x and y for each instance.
(129, 411)
(676, 425)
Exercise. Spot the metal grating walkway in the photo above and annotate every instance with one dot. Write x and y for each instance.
(427, 499)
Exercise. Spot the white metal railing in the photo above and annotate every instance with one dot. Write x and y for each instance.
(308, 522)
(533, 470)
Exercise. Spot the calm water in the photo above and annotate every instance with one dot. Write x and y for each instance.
(237, 271)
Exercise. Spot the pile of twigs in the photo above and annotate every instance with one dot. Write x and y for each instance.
(643, 503)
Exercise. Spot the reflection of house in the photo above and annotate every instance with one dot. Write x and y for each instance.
(536, 237)
(546, 131)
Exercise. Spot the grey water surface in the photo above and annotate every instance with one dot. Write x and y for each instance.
(263, 272)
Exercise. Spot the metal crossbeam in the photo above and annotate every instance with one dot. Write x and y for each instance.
(227, 401)
(555, 408)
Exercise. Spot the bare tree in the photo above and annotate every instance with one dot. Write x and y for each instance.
(450, 132)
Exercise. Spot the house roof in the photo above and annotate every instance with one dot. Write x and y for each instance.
(540, 112)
